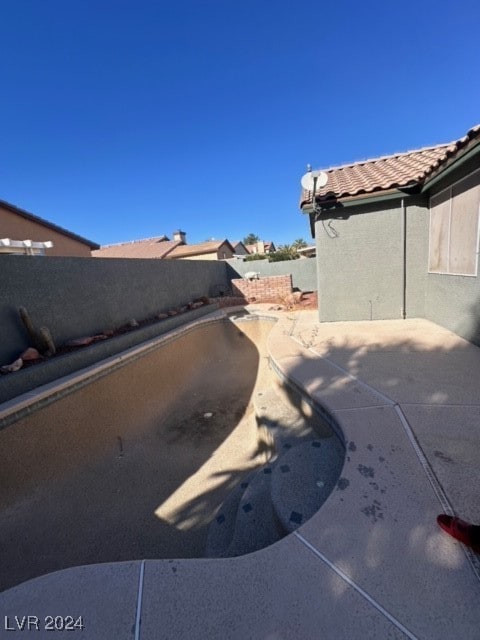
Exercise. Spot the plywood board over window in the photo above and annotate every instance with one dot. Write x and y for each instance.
(439, 232)
(454, 227)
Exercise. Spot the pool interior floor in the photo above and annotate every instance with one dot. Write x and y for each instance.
(151, 492)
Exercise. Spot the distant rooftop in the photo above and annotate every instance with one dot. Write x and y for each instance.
(156, 247)
(198, 249)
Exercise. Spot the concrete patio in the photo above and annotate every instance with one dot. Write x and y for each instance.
(372, 562)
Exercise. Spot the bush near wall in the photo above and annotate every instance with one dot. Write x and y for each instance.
(256, 256)
(280, 256)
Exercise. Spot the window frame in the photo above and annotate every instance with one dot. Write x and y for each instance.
(450, 201)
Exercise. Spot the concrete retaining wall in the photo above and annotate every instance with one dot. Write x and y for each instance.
(303, 271)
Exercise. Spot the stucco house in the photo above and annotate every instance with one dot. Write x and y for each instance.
(156, 247)
(239, 248)
(262, 246)
(211, 250)
(398, 237)
(18, 225)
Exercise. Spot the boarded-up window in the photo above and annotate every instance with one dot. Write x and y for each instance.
(439, 232)
(454, 228)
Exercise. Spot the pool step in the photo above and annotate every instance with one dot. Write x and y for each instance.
(304, 466)
(281, 424)
(303, 479)
(256, 526)
(222, 528)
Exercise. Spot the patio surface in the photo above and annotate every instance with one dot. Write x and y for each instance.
(372, 562)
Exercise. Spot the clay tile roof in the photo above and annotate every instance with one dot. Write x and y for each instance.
(387, 172)
(197, 249)
(148, 248)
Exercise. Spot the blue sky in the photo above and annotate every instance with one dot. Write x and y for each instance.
(122, 120)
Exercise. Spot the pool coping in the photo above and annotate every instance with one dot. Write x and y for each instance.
(389, 603)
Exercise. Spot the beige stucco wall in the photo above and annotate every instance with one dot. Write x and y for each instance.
(217, 255)
(16, 227)
(202, 256)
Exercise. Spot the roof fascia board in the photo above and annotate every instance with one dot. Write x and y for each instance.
(357, 201)
(455, 164)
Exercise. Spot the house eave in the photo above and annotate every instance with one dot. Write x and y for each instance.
(357, 200)
(327, 206)
(450, 166)
(49, 225)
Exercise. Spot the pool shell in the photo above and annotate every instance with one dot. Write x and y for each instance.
(134, 461)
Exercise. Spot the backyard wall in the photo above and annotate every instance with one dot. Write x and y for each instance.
(275, 287)
(303, 271)
(360, 262)
(75, 297)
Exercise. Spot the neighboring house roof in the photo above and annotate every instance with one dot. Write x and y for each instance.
(212, 246)
(389, 172)
(238, 245)
(157, 247)
(49, 225)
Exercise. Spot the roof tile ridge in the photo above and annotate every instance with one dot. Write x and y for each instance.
(173, 244)
(128, 242)
(390, 156)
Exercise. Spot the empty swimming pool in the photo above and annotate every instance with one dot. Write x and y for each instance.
(135, 461)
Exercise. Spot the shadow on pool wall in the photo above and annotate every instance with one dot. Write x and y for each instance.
(135, 464)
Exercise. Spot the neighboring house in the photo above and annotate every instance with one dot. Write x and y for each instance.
(239, 248)
(43, 237)
(147, 248)
(307, 252)
(211, 250)
(157, 247)
(162, 248)
(398, 237)
(261, 247)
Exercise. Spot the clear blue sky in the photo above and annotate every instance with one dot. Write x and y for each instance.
(128, 119)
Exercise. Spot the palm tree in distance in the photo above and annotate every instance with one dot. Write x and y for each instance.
(299, 243)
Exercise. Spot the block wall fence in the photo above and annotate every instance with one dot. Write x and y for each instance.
(77, 297)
